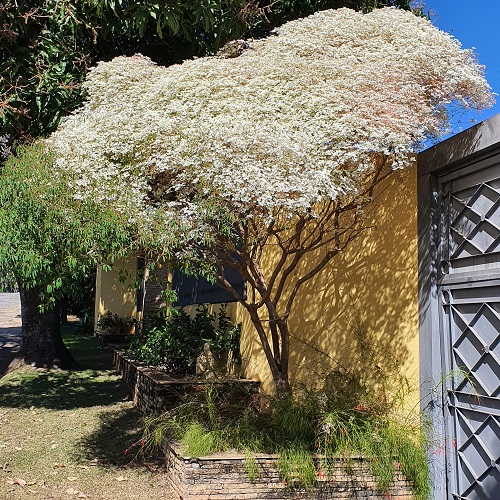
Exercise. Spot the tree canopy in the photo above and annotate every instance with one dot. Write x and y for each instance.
(49, 232)
(296, 119)
(284, 144)
(48, 240)
(47, 47)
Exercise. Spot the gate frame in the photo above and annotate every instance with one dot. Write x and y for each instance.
(479, 144)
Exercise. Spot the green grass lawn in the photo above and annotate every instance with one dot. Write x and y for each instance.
(64, 434)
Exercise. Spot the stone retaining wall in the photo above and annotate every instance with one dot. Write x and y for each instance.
(225, 477)
(154, 391)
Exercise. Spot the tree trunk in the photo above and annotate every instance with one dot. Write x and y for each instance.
(41, 344)
(277, 364)
(62, 307)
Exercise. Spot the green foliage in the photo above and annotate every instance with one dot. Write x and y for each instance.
(47, 238)
(380, 439)
(46, 49)
(298, 429)
(251, 467)
(7, 282)
(79, 298)
(297, 466)
(197, 442)
(225, 413)
(116, 324)
(175, 341)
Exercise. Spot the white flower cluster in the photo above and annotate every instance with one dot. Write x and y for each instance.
(297, 118)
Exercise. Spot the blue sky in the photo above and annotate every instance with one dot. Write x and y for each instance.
(474, 24)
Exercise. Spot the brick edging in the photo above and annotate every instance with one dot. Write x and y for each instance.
(224, 476)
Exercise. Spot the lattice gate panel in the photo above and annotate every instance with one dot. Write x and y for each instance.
(470, 302)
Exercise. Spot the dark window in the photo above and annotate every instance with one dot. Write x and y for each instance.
(191, 290)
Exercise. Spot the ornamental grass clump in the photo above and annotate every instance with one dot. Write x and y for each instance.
(284, 145)
(312, 432)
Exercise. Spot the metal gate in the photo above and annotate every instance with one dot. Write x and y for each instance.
(469, 304)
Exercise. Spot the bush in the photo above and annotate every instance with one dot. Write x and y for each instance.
(113, 323)
(175, 340)
(297, 429)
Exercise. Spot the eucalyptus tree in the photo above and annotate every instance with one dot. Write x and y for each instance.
(217, 160)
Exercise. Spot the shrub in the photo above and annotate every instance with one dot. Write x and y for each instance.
(175, 340)
(116, 324)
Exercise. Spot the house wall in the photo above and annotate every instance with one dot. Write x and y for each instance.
(113, 294)
(361, 311)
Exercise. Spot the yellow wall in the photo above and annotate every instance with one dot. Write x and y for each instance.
(361, 310)
(113, 295)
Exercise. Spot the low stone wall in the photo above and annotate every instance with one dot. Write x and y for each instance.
(225, 477)
(154, 391)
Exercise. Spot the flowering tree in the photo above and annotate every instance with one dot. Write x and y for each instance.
(217, 158)
(47, 47)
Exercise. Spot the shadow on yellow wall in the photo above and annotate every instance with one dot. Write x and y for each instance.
(360, 312)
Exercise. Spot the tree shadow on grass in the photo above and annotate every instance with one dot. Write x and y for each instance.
(94, 384)
(116, 442)
(62, 390)
(86, 349)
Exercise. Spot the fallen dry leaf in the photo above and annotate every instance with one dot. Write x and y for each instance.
(16, 480)
(82, 495)
(57, 466)
(72, 478)
(71, 491)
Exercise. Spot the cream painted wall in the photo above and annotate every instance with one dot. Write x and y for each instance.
(114, 295)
